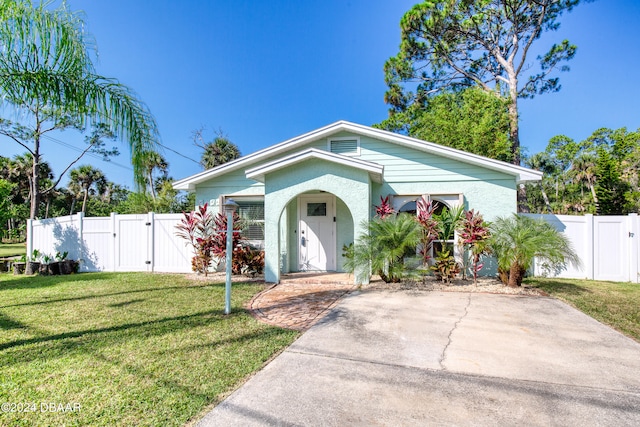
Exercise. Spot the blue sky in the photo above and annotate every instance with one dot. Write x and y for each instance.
(266, 71)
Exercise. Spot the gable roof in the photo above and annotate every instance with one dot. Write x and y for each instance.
(375, 170)
(521, 173)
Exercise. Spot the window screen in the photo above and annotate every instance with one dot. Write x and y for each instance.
(252, 212)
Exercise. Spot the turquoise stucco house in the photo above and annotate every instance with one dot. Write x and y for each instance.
(310, 195)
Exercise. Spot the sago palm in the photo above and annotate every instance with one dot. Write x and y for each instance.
(517, 240)
(385, 247)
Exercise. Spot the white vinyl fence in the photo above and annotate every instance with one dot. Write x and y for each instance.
(144, 242)
(607, 245)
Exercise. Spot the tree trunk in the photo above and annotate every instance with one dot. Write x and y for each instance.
(514, 135)
(35, 184)
(546, 198)
(153, 190)
(516, 274)
(595, 198)
(514, 129)
(84, 200)
(35, 195)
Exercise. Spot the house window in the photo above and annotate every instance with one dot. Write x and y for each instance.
(252, 213)
(347, 146)
(316, 209)
(438, 245)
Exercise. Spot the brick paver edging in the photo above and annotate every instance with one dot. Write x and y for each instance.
(297, 306)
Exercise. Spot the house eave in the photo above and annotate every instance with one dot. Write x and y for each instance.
(374, 170)
(520, 173)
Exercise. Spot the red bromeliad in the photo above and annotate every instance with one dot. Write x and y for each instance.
(474, 232)
(425, 209)
(384, 209)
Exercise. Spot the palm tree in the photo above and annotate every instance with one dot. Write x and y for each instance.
(86, 178)
(543, 163)
(385, 247)
(583, 169)
(47, 74)
(153, 161)
(517, 240)
(218, 152)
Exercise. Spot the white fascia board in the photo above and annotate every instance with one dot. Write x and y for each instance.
(521, 173)
(190, 182)
(258, 173)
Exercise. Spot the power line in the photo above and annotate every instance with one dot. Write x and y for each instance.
(88, 153)
(179, 154)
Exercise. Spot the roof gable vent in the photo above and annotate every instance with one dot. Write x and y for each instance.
(348, 146)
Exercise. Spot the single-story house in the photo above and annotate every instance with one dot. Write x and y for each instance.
(309, 196)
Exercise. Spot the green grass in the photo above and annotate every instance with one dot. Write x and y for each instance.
(11, 249)
(615, 304)
(129, 348)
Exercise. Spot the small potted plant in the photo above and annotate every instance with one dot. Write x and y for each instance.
(33, 265)
(55, 264)
(63, 263)
(45, 266)
(19, 266)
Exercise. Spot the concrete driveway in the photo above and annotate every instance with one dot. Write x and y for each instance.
(436, 358)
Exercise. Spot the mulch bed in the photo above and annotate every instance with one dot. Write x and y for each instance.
(429, 283)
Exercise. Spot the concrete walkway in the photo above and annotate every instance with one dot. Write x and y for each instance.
(421, 358)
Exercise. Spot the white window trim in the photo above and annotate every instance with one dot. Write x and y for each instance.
(345, 138)
(245, 198)
(449, 200)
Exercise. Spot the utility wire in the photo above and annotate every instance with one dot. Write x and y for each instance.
(179, 154)
(88, 153)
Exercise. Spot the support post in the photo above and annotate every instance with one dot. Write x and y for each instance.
(229, 207)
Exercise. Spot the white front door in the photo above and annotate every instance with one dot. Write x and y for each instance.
(317, 233)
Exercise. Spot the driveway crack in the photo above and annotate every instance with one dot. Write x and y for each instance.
(443, 356)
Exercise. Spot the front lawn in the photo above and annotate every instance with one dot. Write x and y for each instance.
(615, 304)
(124, 348)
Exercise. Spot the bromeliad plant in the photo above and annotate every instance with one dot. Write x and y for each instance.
(207, 234)
(474, 233)
(429, 226)
(196, 228)
(384, 209)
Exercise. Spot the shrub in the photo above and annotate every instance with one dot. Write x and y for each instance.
(429, 226)
(207, 234)
(445, 268)
(247, 261)
(386, 246)
(517, 240)
(474, 233)
(196, 228)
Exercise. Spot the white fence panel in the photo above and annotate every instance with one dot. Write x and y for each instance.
(578, 230)
(54, 235)
(170, 254)
(96, 249)
(611, 248)
(132, 234)
(608, 246)
(117, 243)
